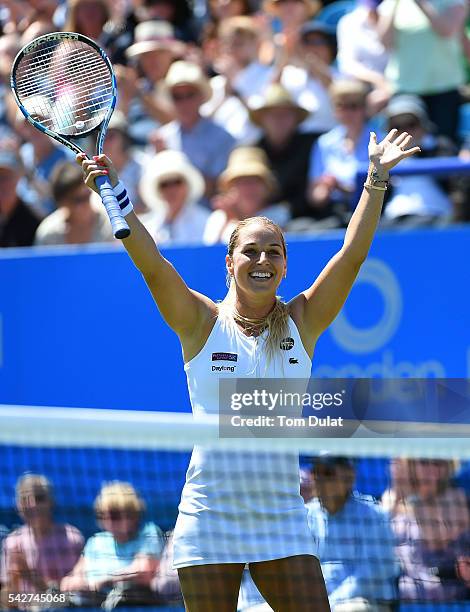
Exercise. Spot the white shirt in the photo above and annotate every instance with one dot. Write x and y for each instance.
(186, 228)
(311, 95)
(359, 41)
(230, 112)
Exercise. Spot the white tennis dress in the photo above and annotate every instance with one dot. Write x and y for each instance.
(240, 507)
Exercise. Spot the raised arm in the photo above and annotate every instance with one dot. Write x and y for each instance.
(316, 307)
(186, 311)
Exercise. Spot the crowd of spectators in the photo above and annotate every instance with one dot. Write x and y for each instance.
(266, 106)
(412, 544)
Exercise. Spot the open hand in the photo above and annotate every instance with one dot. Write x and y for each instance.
(393, 148)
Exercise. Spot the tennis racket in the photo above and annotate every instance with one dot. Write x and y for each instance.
(65, 86)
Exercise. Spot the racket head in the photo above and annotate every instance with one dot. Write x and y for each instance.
(64, 85)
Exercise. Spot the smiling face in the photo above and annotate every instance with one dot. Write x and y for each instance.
(258, 261)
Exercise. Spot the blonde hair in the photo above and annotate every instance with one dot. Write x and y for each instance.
(118, 495)
(238, 25)
(33, 482)
(72, 23)
(277, 321)
(347, 87)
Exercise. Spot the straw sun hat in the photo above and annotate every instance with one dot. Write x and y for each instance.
(271, 6)
(168, 165)
(248, 161)
(154, 36)
(276, 96)
(187, 73)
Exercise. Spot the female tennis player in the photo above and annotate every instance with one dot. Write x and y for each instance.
(237, 510)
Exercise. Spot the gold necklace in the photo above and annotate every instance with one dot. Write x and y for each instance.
(248, 324)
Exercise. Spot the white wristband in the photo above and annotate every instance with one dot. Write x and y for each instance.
(123, 199)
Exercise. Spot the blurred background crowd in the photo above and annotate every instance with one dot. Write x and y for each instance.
(409, 542)
(234, 108)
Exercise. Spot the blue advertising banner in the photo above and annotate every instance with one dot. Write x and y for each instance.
(79, 328)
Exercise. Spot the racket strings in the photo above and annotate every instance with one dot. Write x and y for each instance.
(66, 86)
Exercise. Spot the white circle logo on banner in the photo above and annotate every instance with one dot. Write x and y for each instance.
(369, 339)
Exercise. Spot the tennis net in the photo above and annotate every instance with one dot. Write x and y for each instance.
(388, 517)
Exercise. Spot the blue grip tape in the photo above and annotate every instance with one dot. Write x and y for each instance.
(118, 223)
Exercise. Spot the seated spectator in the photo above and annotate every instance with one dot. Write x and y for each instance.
(40, 155)
(307, 482)
(118, 563)
(118, 147)
(355, 544)
(177, 12)
(287, 149)
(241, 79)
(171, 188)
(88, 17)
(206, 144)
(18, 222)
(9, 47)
(247, 189)
(428, 33)
(428, 525)
(79, 218)
(141, 96)
(166, 584)
(288, 16)
(361, 54)
(336, 154)
(354, 539)
(36, 556)
(418, 199)
(308, 74)
(220, 10)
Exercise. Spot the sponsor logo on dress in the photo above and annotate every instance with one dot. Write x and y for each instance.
(224, 357)
(287, 344)
(223, 368)
(293, 360)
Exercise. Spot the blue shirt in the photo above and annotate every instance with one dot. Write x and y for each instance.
(207, 144)
(103, 555)
(34, 189)
(330, 156)
(356, 550)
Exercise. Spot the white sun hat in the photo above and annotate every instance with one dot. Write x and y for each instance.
(167, 165)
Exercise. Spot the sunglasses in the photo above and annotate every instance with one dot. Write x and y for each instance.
(79, 199)
(117, 515)
(349, 105)
(180, 97)
(315, 42)
(404, 126)
(325, 471)
(176, 182)
(38, 498)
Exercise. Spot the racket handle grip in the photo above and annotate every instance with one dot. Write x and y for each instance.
(118, 223)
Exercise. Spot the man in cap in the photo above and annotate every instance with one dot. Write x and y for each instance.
(18, 223)
(355, 542)
(418, 199)
(287, 149)
(206, 144)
